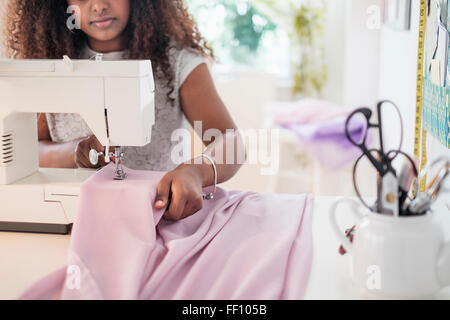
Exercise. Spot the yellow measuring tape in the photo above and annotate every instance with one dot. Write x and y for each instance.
(420, 138)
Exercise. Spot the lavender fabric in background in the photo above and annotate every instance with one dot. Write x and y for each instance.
(320, 127)
(241, 245)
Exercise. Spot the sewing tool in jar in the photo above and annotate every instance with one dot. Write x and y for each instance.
(422, 203)
(389, 195)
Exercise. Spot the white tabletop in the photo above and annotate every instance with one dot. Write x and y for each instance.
(25, 258)
(330, 273)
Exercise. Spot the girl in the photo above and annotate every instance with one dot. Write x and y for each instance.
(159, 30)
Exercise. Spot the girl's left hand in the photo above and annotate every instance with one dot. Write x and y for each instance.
(183, 188)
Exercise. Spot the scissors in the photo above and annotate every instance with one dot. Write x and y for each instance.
(422, 203)
(388, 188)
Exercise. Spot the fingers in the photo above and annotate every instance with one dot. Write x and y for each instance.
(97, 146)
(178, 202)
(82, 161)
(102, 161)
(81, 154)
(176, 210)
(193, 205)
(184, 203)
(163, 192)
(84, 146)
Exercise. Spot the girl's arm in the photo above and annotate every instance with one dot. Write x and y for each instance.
(70, 155)
(200, 102)
(51, 154)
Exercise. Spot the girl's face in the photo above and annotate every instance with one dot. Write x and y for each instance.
(103, 21)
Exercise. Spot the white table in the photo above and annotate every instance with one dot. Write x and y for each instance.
(25, 258)
(330, 273)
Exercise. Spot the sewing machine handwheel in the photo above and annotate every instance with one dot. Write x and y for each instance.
(93, 156)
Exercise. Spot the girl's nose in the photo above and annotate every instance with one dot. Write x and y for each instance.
(99, 6)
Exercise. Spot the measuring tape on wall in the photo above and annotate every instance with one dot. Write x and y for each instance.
(420, 134)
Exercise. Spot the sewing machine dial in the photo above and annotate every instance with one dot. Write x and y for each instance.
(93, 156)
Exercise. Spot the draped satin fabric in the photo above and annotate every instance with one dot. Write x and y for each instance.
(241, 245)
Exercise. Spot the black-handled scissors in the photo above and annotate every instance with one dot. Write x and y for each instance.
(384, 164)
(388, 187)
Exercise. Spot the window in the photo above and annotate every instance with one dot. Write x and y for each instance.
(242, 37)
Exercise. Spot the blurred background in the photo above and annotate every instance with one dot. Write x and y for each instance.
(300, 66)
(313, 57)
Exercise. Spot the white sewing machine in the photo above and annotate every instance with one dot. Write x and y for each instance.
(115, 98)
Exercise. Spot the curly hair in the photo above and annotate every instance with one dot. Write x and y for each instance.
(36, 29)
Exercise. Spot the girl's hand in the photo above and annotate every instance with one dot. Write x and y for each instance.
(82, 149)
(182, 190)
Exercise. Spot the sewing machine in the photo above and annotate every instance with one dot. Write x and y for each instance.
(116, 100)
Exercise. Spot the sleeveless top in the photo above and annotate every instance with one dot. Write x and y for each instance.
(155, 156)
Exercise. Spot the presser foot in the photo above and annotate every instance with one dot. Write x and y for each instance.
(119, 173)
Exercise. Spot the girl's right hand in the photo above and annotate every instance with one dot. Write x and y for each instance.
(83, 147)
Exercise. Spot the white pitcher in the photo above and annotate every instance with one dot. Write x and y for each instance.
(395, 257)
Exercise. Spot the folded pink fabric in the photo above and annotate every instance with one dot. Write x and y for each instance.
(241, 245)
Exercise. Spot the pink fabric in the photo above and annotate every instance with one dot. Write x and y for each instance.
(307, 111)
(320, 127)
(241, 245)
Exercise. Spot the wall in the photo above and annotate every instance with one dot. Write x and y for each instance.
(361, 77)
(334, 37)
(245, 94)
(398, 79)
(398, 73)
(352, 53)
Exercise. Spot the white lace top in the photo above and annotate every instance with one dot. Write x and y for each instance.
(156, 155)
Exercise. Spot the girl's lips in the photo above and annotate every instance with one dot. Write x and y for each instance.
(103, 24)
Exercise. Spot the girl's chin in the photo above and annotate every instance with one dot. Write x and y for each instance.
(103, 36)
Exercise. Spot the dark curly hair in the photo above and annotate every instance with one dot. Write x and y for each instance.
(36, 29)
